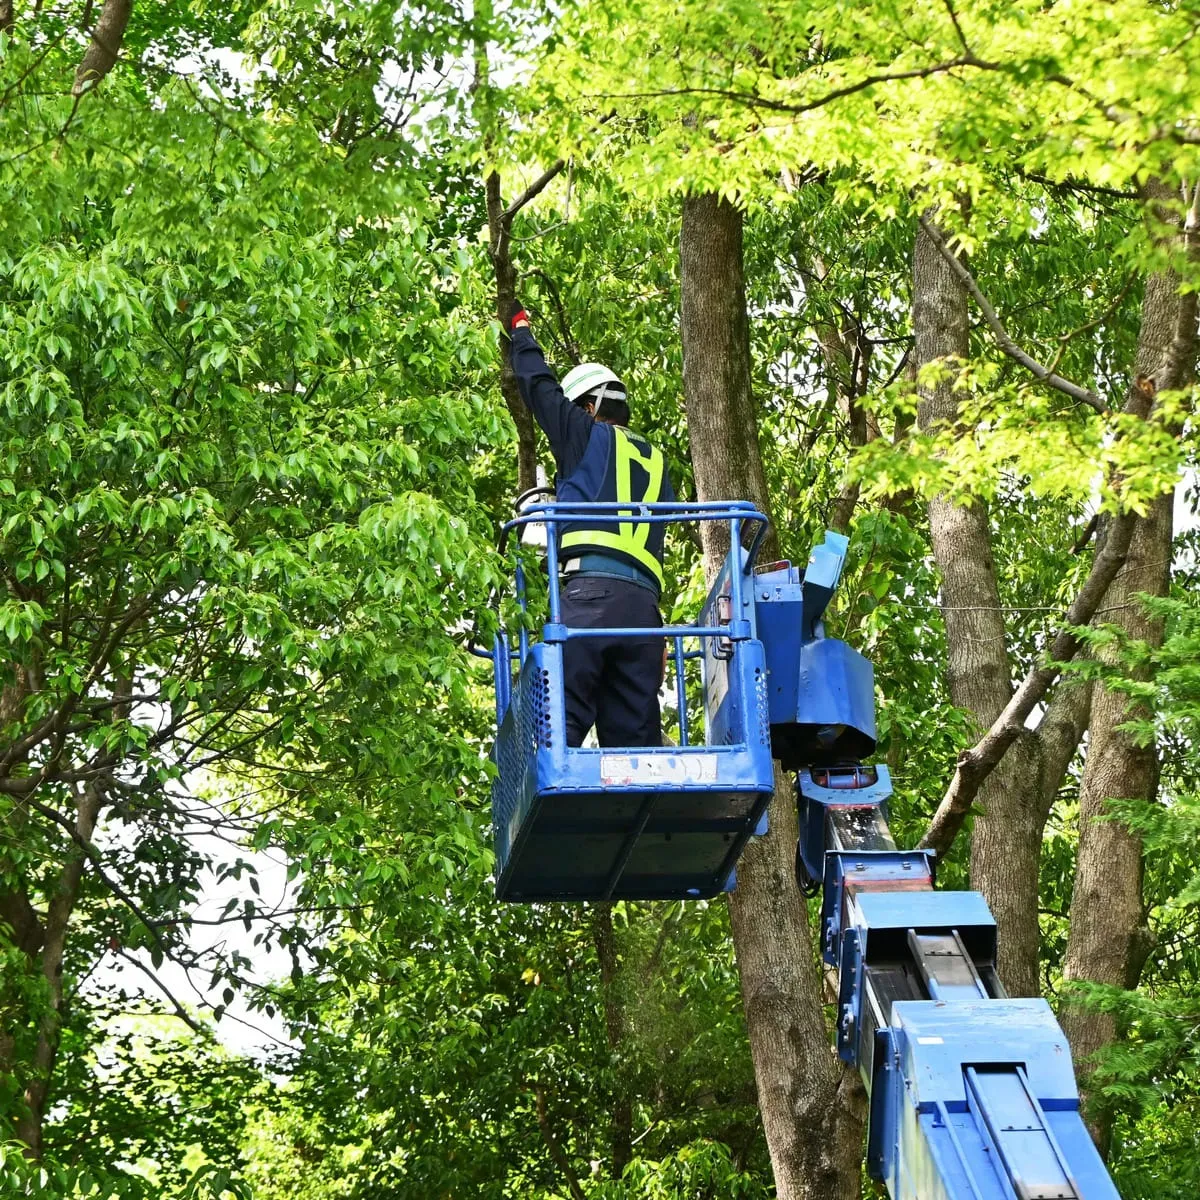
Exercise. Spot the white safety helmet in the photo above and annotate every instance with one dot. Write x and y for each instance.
(592, 383)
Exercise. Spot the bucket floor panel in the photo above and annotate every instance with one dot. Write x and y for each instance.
(684, 846)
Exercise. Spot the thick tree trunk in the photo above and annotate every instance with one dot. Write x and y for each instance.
(105, 46)
(722, 421)
(1016, 797)
(812, 1110)
(1109, 939)
(978, 669)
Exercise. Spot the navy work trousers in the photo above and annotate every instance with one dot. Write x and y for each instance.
(612, 682)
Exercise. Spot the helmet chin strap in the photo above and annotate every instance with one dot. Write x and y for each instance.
(608, 391)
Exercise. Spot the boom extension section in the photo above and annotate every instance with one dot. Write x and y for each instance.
(972, 1094)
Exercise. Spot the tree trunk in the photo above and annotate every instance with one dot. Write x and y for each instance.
(57, 924)
(500, 251)
(812, 1110)
(978, 669)
(1109, 938)
(102, 51)
(621, 1123)
(1016, 797)
(722, 421)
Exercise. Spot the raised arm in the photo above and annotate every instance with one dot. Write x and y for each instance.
(566, 425)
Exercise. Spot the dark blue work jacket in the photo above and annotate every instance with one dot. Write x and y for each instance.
(597, 462)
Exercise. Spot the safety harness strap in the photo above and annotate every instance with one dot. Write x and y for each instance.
(631, 537)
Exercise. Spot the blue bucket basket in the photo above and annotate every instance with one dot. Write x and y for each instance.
(640, 823)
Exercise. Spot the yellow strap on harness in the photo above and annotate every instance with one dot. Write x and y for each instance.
(632, 536)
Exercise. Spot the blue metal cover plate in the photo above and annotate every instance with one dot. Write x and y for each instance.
(924, 910)
(937, 1040)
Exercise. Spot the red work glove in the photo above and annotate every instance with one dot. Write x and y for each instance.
(515, 315)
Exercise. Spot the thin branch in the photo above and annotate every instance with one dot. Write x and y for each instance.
(1086, 536)
(535, 189)
(1088, 326)
(552, 1144)
(180, 1011)
(221, 123)
(977, 763)
(94, 857)
(48, 48)
(566, 220)
(754, 100)
(239, 918)
(55, 723)
(1078, 186)
(570, 345)
(1003, 340)
(962, 40)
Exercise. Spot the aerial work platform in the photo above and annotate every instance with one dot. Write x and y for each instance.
(972, 1093)
(650, 823)
(670, 822)
(633, 823)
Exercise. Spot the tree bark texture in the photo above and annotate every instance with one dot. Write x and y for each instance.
(105, 46)
(812, 1110)
(721, 418)
(976, 764)
(1015, 798)
(1109, 938)
(506, 292)
(978, 669)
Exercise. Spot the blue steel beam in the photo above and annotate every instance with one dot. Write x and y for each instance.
(972, 1094)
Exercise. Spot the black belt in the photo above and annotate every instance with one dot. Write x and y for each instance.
(607, 567)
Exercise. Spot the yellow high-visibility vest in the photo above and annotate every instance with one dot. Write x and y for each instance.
(630, 537)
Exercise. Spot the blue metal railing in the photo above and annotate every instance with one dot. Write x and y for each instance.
(738, 514)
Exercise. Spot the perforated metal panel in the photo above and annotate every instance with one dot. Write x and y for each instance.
(647, 823)
(762, 706)
(525, 729)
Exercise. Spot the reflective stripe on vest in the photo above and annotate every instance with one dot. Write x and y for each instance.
(631, 536)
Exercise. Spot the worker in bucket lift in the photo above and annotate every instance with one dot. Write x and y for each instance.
(612, 569)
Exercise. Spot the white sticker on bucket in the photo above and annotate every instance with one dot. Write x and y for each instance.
(618, 770)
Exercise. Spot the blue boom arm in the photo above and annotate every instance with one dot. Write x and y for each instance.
(972, 1094)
